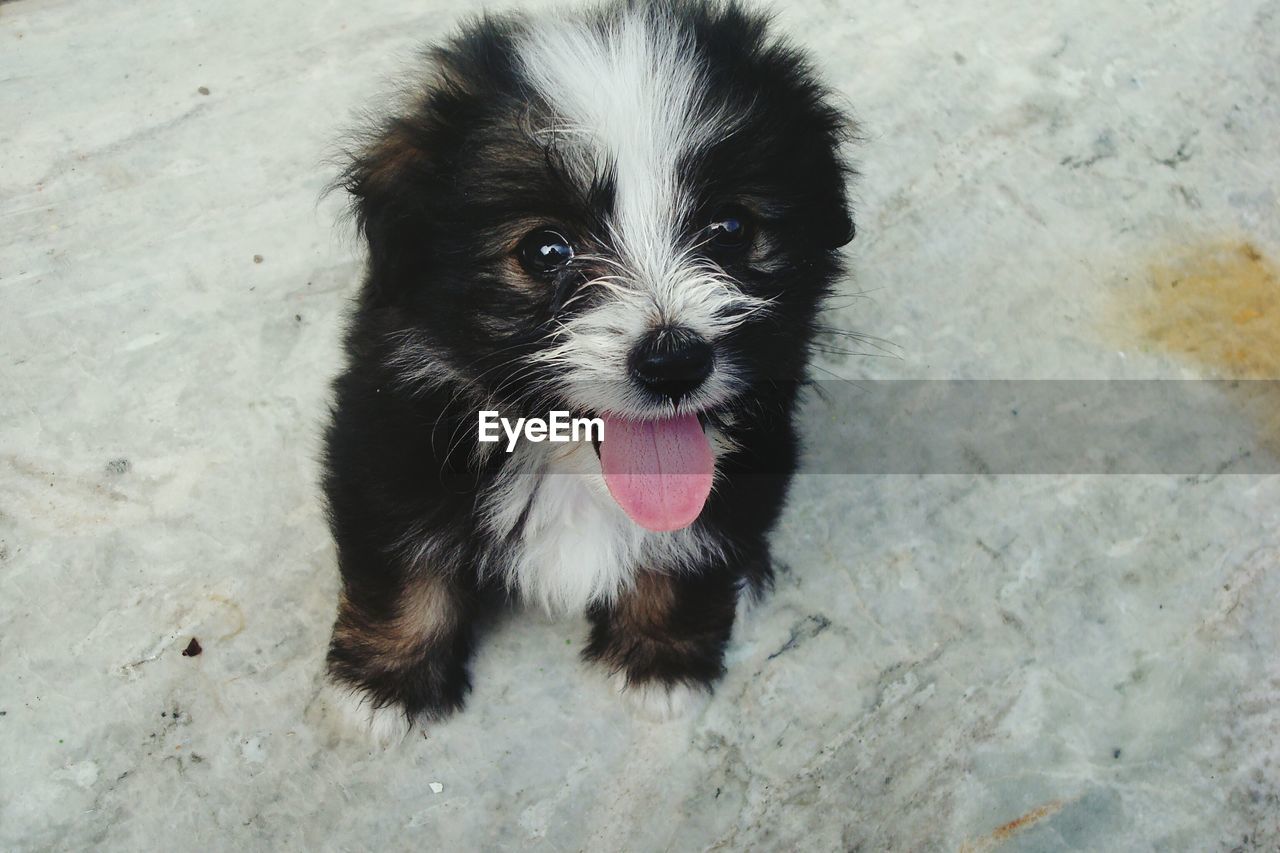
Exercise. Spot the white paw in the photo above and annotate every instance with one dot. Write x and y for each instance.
(659, 702)
(353, 714)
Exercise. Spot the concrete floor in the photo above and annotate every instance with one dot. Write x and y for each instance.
(951, 662)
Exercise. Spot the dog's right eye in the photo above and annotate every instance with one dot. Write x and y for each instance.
(544, 252)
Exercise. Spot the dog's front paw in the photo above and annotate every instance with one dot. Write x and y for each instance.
(352, 714)
(660, 703)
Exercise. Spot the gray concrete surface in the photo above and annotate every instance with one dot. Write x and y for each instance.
(950, 662)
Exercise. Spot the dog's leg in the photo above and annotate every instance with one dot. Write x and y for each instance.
(664, 638)
(400, 651)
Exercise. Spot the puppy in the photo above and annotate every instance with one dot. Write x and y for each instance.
(631, 214)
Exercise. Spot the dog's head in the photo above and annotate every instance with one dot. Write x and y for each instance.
(630, 213)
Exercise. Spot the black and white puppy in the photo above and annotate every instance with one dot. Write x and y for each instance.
(629, 213)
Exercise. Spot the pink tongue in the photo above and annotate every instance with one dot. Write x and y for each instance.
(659, 471)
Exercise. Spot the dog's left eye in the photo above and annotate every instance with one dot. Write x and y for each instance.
(730, 229)
(544, 252)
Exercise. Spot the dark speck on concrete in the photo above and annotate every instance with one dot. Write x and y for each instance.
(1115, 753)
(1182, 155)
(204, 90)
(119, 466)
(193, 648)
(297, 318)
(257, 259)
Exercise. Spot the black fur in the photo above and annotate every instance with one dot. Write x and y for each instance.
(439, 193)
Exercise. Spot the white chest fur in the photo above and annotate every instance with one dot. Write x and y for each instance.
(572, 545)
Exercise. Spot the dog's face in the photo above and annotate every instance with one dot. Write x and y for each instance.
(620, 214)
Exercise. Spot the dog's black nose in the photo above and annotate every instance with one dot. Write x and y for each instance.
(672, 362)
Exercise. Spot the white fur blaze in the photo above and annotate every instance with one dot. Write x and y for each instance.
(653, 117)
(661, 703)
(353, 716)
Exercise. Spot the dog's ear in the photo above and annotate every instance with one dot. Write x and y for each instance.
(389, 179)
(832, 222)
(839, 230)
(829, 172)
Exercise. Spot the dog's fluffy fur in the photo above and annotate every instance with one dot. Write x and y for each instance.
(628, 127)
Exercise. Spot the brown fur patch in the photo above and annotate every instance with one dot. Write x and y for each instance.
(647, 605)
(667, 628)
(392, 157)
(426, 609)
